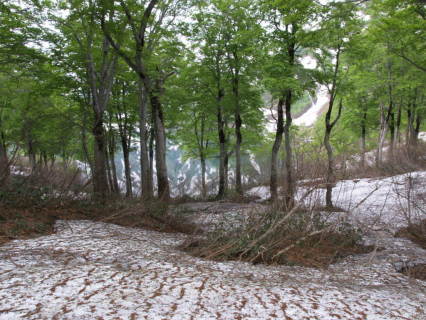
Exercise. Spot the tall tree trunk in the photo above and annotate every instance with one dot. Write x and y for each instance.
(99, 175)
(4, 161)
(160, 148)
(330, 168)
(32, 154)
(239, 138)
(115, 187)
(109, 172)
(363, 135)
(290, 188)
(146, 177)
(202, 146)
(127, 169)
(100, 90)
(151, 151)
(391, 124)
(390, 118)
(111, 147)
(289, 192)
(413, 126)
(382, 137)
(203, 177)
(223, 156)
(398, 125)
(330, 177)
(275, 150)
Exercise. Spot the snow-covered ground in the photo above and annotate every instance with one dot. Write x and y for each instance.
(89, 270)
(380, 204)
(100, 271)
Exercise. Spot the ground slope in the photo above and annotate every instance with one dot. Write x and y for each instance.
(93, 270)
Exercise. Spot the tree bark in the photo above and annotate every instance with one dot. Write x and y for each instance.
(238, 135)
(115, 188)
(160, 148)
(111, 156)
(391, 124)
(363, 134)
(100, 90)
(99, 175)
(382, 137)
(203, 177)
(289, 191)
(127, 169)
(108, 170)
(146, 177)
(223, 156)
(151, 151)
(275, 150)
(330, 177)
(398, 125)
(290, 188)
(4, 161)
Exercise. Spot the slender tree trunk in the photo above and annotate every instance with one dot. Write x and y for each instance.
(290, 187)
(223, 156)
(109, 172)
(275, 150)
(330, 178)
(238, 135)
(203, 177)
(398, 125)
(151, 151)
(160, 148)
(146, 178)
(4, 161)
(413, 127)
(330, 168)
(417, 129)
(363, 138)
(391, 124)
(115, 186)
(289, 192)
(84, 139)
(127, 169)
(390, 117)
(32, 155)
(111, 147)
(202, 146)
(382, 137)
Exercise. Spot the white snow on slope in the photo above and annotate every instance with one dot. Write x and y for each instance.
(380, 204)
(93, 270)
(307, 119)
(314, 112)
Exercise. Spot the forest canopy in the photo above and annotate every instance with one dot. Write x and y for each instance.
(136, 92)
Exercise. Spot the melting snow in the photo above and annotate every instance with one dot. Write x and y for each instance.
(91, 270)
(312, 114)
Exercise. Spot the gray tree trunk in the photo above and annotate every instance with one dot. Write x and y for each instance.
(146, 177)
(4, 161)
(160, 148)
(223, 180)
(275, 150)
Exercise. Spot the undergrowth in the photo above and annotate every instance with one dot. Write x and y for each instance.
(305, 238)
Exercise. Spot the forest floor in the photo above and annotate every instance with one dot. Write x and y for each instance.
(96, 270)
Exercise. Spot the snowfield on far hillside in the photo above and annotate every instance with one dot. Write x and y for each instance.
(374, 203)
(94, 270)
